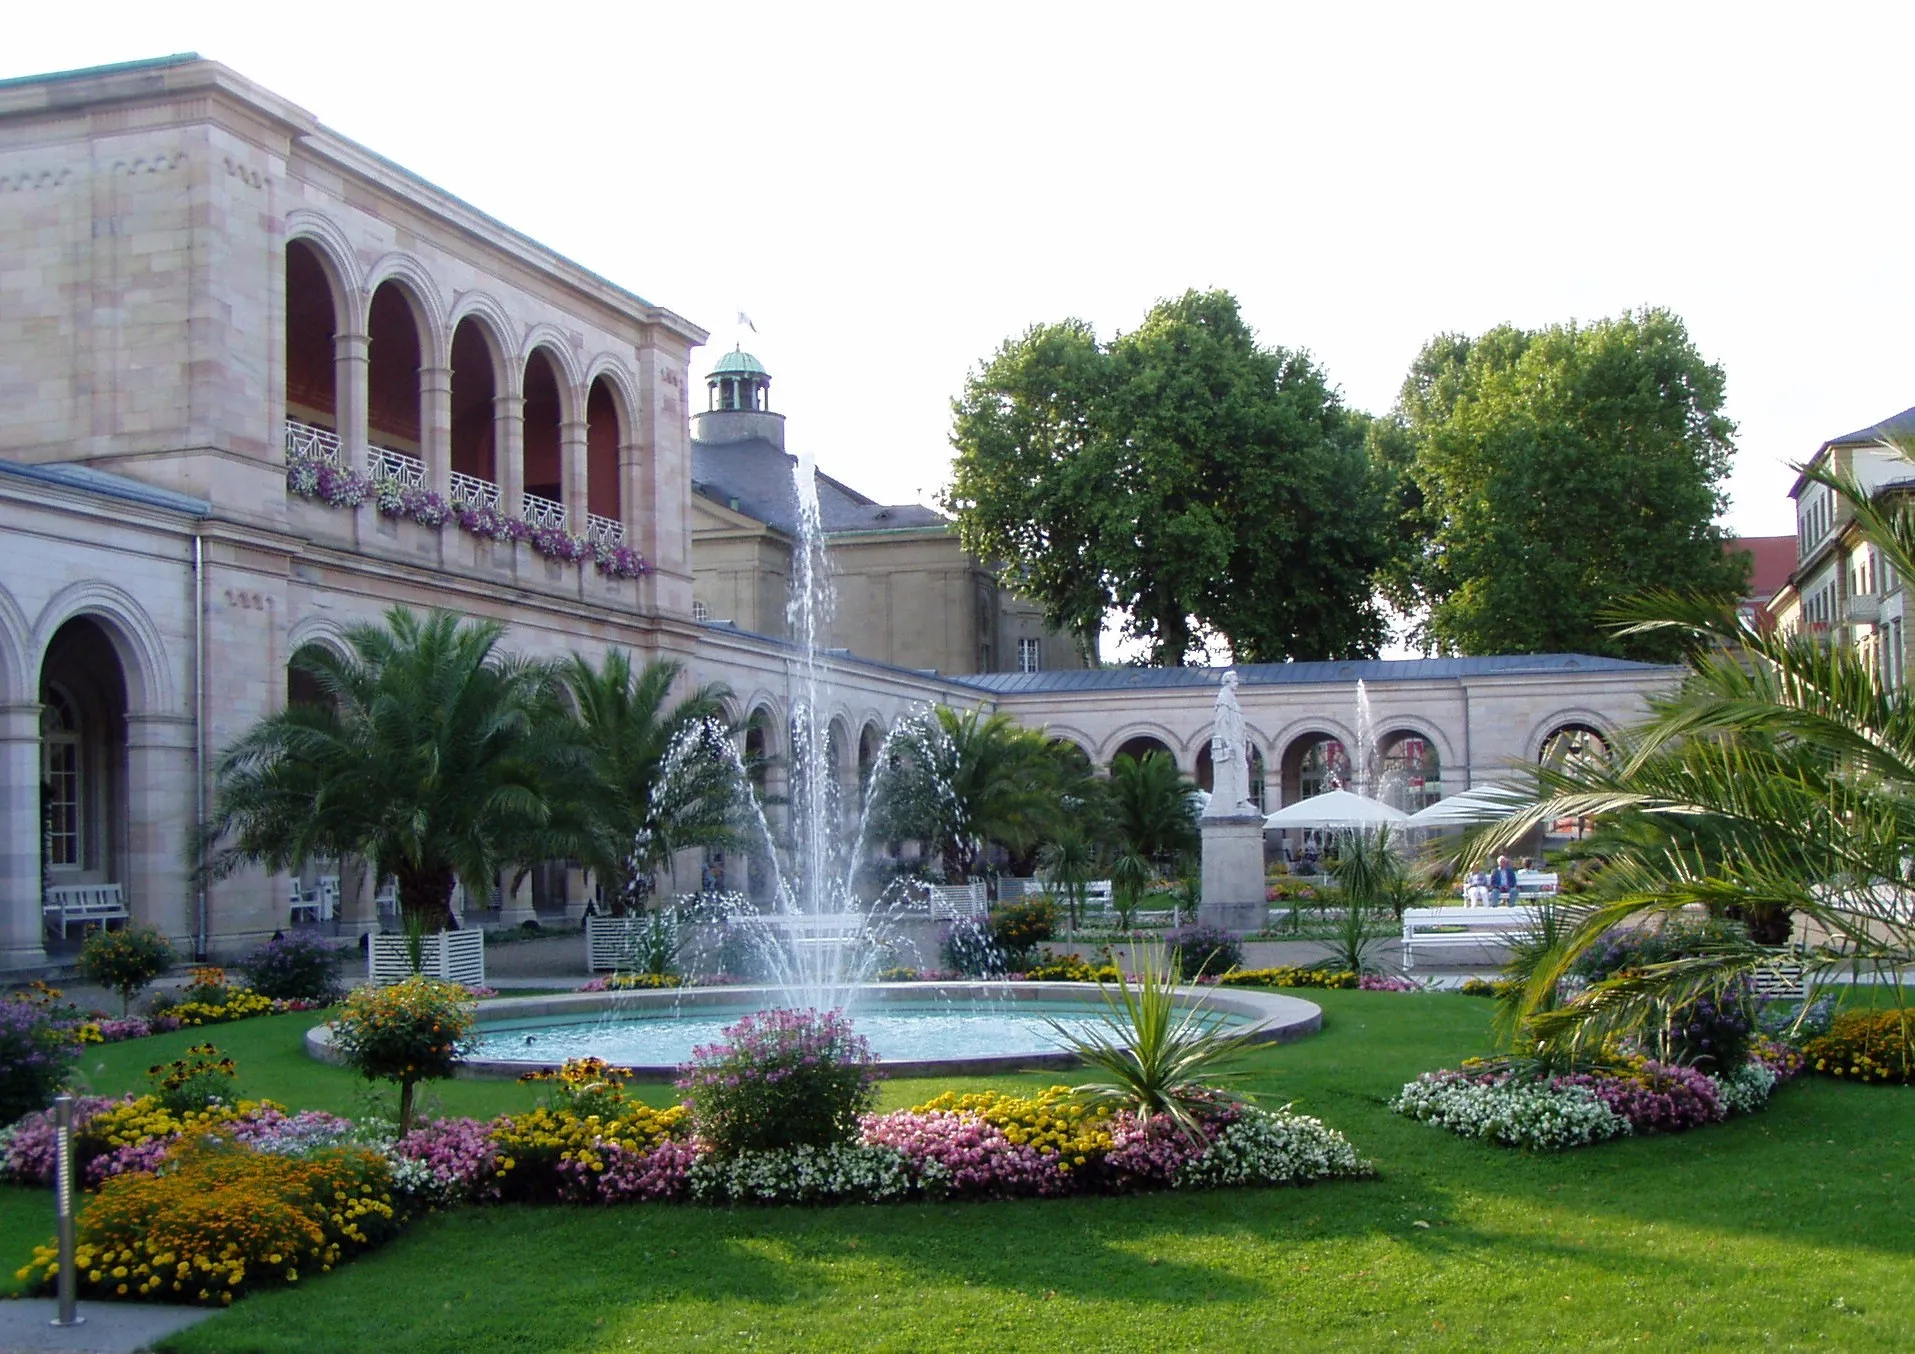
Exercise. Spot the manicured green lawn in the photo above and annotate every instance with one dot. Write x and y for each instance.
(1794, 1228)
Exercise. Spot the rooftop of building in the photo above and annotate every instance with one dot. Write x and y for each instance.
(1366, 670)
(758, 476)
(738, 362)
(107, 485)
(1771, 561)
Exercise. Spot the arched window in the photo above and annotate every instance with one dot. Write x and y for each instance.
(62, 789)
(1409, 773)
(1323, 766)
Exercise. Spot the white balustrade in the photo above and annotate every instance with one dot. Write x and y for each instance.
(543, 512)
(603, 530)
(387, 464)
(308, 442)
(469, 491)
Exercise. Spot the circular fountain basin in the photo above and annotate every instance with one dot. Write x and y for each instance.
(915, 1028)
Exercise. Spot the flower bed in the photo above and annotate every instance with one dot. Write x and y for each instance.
(1867, 1046)
(1508, 1106)
(1290, 976)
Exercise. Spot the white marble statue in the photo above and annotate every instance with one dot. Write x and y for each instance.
(1229, 757)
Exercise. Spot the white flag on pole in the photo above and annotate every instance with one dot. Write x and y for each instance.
(745, 320)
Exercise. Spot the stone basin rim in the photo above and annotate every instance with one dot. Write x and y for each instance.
(1269, 1019)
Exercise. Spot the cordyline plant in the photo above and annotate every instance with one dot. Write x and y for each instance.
(431, 754)
(1777, 784)
(1164, 1052)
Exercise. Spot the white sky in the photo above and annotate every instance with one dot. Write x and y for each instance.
(891, 191)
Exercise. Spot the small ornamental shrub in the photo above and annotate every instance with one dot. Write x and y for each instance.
(785, 1079)
(125, 961)
(35, 1056)
(1070, 968)
(199, 1081)
(966, 948)
(1019, 928)
(296, 967)
(1713, 1031)
(1867, 1046)
(223, 1220)
(1490, 987)
(409, 1032)
(1206, 951)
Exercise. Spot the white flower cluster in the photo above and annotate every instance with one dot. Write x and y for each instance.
(843, 1172)
(1273, 1148)
(1745, 1090)
(1514, 1114)
(419, 1183)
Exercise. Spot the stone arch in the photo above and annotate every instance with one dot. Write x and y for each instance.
(419, 289)
(17, 684)
(608, 429)
(546, 338)
(1548, 728)
(479, 375)
(399, 346)
(1297, 740)
(548, 401)
(134, 636)
(493, 324)
(1065, 733)
(618, 378)
(1134, 736)
(1416, 727)
(339, 261)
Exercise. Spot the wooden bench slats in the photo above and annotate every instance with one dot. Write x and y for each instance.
(68, 903)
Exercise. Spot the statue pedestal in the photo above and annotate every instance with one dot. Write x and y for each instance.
(1233, 888)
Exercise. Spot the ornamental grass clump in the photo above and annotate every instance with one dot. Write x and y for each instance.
(223, 1220)
(410, 1032)
(36, 1054)
(784, 1079)
(125, 961)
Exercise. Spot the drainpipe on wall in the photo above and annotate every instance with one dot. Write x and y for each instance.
(199, 748)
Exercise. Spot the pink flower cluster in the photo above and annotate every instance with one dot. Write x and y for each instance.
(659, 1173)
(1379, 982)
(458, 1153)
(968, 1157)
(28, 1159)
(1151, 1151)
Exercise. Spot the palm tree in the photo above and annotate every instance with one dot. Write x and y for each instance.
(961, 782)
(1779, 780)
(430, 756)
(630, 818)
(1153, 824)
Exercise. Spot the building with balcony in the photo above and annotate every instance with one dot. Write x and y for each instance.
(258, 384)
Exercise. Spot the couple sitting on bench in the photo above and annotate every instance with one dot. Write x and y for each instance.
(1497, 888)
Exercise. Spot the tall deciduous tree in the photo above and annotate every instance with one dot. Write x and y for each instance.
(1181, 473)
(1550, 475)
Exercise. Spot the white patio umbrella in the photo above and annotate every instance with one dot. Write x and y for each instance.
(1484, 804)
(1337, 808)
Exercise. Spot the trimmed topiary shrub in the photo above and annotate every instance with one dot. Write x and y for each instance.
(125, 961)
(410, 1032)
(1206, 951)
(784, 1079)
(296, 967)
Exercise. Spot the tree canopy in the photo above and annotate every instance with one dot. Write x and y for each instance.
(1180, 473)
(1542, 477)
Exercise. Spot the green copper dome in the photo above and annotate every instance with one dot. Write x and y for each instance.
(738, 362)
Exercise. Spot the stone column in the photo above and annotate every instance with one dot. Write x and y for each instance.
(156, 873)
(572, 474)
(351, 362)
(435, 441)
(508, 441)
(22, 930)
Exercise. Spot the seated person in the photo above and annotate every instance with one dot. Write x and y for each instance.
(1502, 884)
(1476, 888)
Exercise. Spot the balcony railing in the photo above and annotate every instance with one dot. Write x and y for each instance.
(543, 512)
(388, 465)
(469, 491)
(307, 442)
(603, 530)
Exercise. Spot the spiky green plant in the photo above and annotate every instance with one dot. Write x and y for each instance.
(1779, 781)
(1162, 1050)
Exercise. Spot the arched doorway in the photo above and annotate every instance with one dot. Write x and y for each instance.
(393, 419)
(1409, 774)
(475, 387)
(312, 397)
(544, 463)
(1569, 745)
(1313, 764)
(604, 495)
(83, 759)
(1142, 746)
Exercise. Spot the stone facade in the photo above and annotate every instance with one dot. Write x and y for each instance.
(197, 276)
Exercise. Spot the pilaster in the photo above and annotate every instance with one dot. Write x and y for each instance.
(508, 423)
(351, 365)
(22, 931)
(572, 474)
(435, 407)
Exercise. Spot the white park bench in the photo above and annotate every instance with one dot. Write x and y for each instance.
(1537, 883)
(1446, 927)
(83, 903)
(321, 903)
